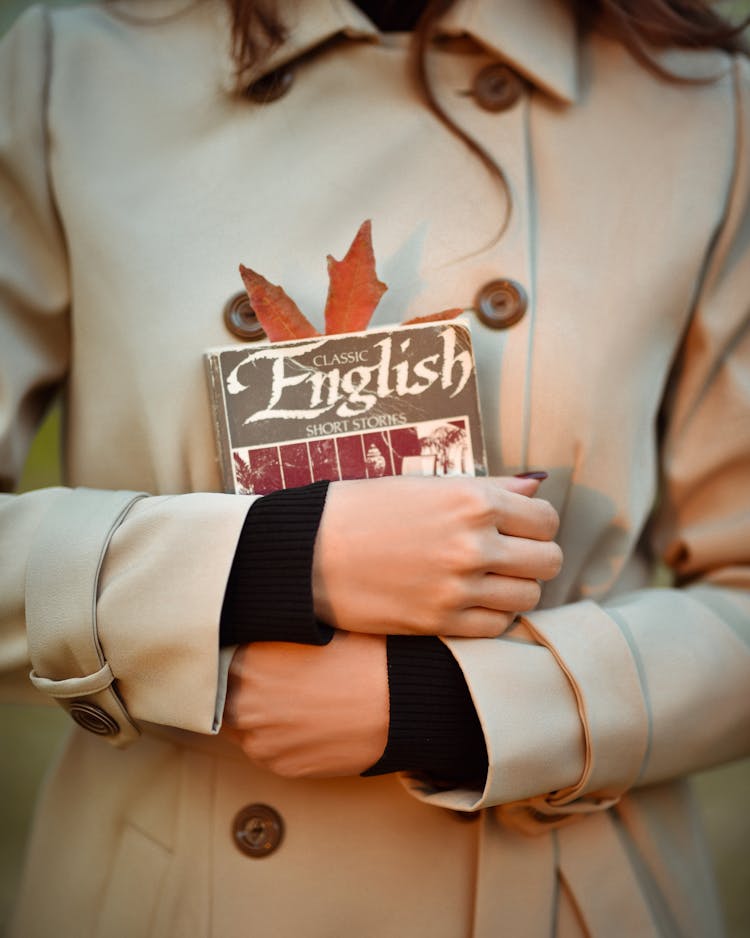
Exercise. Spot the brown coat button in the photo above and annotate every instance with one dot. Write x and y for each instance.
(501, 303)
(272, 86)
(240, 319)
(93, 719)
(257, 830)
(497, 87)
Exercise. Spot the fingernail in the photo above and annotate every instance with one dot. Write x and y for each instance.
(540, 475)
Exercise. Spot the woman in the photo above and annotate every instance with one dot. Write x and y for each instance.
(610, 275)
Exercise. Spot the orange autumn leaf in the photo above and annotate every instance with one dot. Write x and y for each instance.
(276, 311)
(354, 289)
(434, 317)
(354, 292)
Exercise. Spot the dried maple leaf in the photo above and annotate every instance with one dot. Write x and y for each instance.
(276, 310)
(353, 293)
(354, 289)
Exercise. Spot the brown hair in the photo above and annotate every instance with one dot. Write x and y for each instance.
(637, 24)
(640, 24)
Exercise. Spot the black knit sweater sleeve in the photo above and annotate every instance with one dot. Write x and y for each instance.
(433, 725)
(269, 592)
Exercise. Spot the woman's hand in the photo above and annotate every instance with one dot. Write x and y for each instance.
(437, 556)
(310, 711)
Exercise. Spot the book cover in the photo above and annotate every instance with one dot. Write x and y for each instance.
(400, 400)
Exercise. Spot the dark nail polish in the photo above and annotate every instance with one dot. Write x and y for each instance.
(540, 475)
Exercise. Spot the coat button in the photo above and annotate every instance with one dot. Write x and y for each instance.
(497, 87)
(93, 719)
(240, 319)
(501, 303)
(272, 86)
(257, 830)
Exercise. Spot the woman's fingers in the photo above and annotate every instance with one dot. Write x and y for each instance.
(490, 606)
(523, 557)
(521, 516)
(507, 593)
(479, 622)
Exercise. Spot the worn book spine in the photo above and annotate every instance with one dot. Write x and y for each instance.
(221, 431)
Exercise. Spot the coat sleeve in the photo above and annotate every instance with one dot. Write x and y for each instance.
(584, 701)
(112, 599)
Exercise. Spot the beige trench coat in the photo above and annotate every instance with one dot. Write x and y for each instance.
(133, 183)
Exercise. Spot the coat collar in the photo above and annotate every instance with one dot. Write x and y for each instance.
(537, 37)
(309, 24)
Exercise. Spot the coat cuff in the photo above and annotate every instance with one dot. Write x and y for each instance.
(124, 595)
(598, 662)
(160, 598)
(62, 576)
(563, 714)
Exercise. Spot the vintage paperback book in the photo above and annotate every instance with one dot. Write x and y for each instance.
(393, 401)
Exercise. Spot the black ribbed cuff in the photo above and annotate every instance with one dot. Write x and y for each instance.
(434, 727)
(269, 591)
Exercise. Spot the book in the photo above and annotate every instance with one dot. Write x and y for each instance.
(400, 400)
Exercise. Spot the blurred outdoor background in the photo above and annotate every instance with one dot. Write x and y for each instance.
(31, 734)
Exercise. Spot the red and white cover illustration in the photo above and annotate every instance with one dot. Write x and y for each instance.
(393, 401)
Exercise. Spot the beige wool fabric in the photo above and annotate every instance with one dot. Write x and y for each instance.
(132, 184)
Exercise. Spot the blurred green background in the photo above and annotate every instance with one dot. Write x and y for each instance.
(31, 734)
